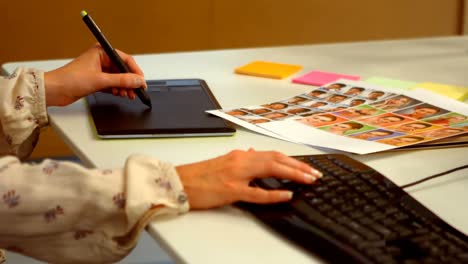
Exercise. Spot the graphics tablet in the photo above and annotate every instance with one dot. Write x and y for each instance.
(178, 111)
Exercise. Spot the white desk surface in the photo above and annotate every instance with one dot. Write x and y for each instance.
(229, 235)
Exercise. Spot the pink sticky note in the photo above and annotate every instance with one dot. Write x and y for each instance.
(320, 78)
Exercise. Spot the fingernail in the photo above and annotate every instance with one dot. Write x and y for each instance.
(138, 82)
(309, 178)
(287, 195)
(316, 173)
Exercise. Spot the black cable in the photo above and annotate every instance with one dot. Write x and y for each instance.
(433, 176)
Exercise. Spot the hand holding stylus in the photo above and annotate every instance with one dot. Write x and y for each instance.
(90, 73)
(113, 55)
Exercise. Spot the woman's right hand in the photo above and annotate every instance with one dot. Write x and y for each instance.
(91, 72)
(225, 179)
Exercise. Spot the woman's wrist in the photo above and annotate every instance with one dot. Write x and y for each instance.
(51, 85)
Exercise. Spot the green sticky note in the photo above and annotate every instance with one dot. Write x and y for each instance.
(391, 83)
(456, 92)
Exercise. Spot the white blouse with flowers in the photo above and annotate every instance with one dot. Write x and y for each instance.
(61, 212)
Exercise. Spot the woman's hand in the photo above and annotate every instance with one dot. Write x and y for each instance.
(92, 71)
(225, 179)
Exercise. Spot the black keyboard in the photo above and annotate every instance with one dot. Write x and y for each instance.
(354, 214)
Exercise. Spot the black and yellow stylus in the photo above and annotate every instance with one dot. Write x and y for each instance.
(113, 55)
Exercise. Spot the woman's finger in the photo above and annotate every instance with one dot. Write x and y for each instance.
(131, 94)
(275, 164)
(123, 92)
(120, 80)
(131, 63)
(262, 196)
(295, 163)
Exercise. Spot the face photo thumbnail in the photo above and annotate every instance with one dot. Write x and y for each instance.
(421, 111)
(442, 132)
(374, 95)
(297, 100)
(354, 102)
(236, 112)
(402, 141)
(275, 115)
(336, 98)
(387, 119)
(359, 112)
(315, 104)
(296, 110)
(412, 127)
(346, 128)
(320, 119)
(376, 134)
(257, 110)
(255, 120)
(276, 106)
(447, 119)
(317, 94)
(334, 87)
(396, 103)
(353, 91)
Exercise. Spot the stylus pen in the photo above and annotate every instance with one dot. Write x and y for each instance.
(113, 55)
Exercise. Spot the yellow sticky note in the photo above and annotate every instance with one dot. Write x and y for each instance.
(456, 92)
(268, 69)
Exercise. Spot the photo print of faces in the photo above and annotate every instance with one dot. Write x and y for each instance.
(361, 113)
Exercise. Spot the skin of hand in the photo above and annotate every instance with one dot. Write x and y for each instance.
(225, 179)
(92, 71)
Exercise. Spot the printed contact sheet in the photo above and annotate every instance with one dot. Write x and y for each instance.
(355, 117)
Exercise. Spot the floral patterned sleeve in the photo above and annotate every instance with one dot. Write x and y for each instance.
(22, 111)
(62, 212)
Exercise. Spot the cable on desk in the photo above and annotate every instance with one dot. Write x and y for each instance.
(433, 176)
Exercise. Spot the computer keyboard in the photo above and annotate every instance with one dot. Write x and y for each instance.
(354, 214)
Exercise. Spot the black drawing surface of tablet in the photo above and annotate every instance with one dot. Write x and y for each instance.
(178, 111)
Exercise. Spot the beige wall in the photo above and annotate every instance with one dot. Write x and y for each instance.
(53, 29)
